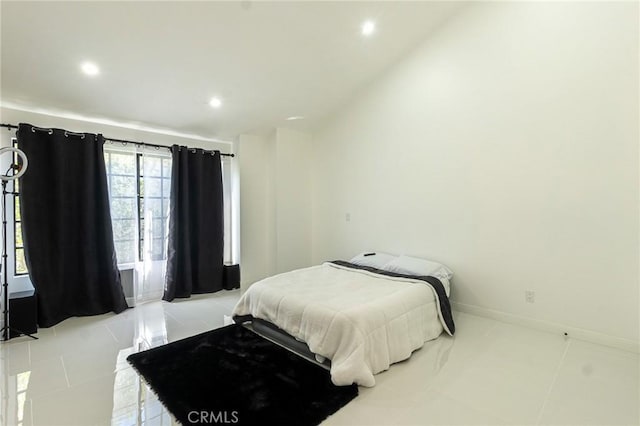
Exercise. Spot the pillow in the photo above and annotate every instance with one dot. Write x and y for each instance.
(418, 267)
(372, 259)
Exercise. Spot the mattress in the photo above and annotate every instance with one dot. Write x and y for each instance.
(363, 320)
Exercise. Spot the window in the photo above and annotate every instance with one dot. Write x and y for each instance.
(154, 187)
(139, 188)
(122, 178)
(139, 191)
(128, 195)
(20, 264)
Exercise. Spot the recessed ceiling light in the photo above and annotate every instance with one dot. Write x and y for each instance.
(215, 102)
(295, 117)
(368, 28)
(89, 68)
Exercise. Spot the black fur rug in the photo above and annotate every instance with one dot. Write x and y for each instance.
(231, 375)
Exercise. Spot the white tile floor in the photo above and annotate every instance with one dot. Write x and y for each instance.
(490, 373)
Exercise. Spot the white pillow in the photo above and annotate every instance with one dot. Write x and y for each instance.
(372, 259)
(418, 267)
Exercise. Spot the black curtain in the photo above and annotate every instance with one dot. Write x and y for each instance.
(66, 225)
(196, 229)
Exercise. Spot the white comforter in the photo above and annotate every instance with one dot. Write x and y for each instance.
(363, 322)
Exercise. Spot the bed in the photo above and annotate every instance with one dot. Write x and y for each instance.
(360, 318)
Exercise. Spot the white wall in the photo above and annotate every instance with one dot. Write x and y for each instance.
(506, 146)
(293, 200)
(276, 203)
(257, 243)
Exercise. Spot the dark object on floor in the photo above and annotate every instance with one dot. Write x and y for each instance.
(235, 375)
(231, 277)
(22, 313)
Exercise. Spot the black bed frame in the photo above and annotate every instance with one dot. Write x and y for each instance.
(279, 336)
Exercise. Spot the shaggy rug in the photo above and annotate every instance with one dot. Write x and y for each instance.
(232, 375)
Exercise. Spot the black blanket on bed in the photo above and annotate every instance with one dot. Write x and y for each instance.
(442, 301)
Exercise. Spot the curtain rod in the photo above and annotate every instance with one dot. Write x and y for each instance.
(124, 141)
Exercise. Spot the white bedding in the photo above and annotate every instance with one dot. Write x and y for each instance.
(362, 321)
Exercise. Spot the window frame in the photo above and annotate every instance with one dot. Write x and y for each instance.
(139, 197)
(114, 220)
(140, 201)
(17, 224)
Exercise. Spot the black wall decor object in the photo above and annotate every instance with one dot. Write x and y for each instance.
(66, 223)
(196, 224)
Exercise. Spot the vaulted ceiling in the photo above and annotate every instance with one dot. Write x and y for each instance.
(161, 62)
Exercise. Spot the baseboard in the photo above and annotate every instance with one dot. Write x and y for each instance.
(551, 327)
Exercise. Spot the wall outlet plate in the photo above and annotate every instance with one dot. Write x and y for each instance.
(530, 296)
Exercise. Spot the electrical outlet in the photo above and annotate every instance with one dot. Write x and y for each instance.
(347, 217)
(530, 296)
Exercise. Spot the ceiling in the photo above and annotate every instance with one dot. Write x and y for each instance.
(161, 62)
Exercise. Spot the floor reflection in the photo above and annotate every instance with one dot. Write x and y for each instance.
(128, 386)
(77, 372)
(17, 385)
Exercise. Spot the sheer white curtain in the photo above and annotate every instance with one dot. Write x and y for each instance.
(154, 183)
